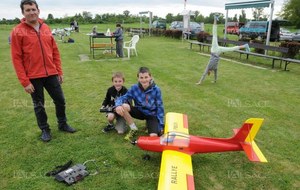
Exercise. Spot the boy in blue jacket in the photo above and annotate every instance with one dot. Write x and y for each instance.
(148, 105)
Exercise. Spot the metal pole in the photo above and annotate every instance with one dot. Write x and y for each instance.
(150, 22)
(226, 19)
(270, 24)
(140, 25)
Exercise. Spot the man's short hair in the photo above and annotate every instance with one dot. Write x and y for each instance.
(143, 70)
(118, 25)
(28, 2)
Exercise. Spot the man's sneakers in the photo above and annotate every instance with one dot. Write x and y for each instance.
(131, 135)
(46, 135)
(108, 128)
(46, 132)
(66, 128)
(247, 48)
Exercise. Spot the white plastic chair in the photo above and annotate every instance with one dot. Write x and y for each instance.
(131, 45)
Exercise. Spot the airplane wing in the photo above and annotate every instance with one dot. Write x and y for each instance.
(176, 122)
(176, 171)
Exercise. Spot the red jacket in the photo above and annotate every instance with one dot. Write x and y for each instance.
(34, 54)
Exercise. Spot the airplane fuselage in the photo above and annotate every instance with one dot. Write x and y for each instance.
(195, 145)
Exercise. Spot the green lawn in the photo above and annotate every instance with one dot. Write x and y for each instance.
(213, 110)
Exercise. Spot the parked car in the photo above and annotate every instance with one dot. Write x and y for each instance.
(259, 29)
(234, 27)
(285, 35)
(194, 28)
(159, 24)
(176, 24)
(296, 36)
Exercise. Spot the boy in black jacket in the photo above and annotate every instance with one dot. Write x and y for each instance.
(112, 94)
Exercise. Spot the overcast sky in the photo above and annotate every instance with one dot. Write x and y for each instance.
(60, 8)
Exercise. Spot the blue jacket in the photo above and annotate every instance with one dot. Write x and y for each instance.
(148, 101)
(118, 34)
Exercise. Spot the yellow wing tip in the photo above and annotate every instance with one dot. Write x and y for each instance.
(176, 122)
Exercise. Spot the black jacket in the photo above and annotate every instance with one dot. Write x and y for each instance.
(112, 94)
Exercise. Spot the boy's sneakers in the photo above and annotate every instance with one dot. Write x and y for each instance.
(131, 135)
(108, 128)
(247, 48)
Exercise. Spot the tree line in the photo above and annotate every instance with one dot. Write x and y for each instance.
(87, 18)
(289, 12)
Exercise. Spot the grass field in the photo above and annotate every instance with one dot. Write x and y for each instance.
(213, 110)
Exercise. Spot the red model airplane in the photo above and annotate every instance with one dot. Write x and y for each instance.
(177, 146)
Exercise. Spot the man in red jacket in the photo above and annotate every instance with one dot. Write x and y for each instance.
(37, 63)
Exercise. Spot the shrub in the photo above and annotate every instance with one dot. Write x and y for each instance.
(177, 34)
(158, 32)
(294, 48)
(168, 33)
(202, 36)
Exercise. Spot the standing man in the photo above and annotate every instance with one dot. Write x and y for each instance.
(119, 40)
(76, 26)
(37, 63)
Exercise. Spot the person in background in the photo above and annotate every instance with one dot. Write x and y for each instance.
(216, 50)
(118, 34)
(37, 63)
(72, 26)
(76, 26)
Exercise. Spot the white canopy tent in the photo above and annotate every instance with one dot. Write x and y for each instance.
(252, 4)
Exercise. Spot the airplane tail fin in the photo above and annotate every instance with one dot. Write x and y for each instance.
(245, 135)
